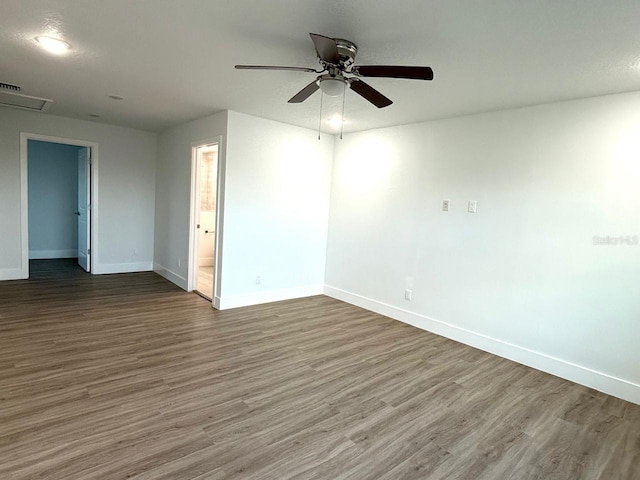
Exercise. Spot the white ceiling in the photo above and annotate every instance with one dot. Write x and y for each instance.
(173, 60)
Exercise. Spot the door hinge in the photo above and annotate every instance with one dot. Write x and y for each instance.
(89, 251)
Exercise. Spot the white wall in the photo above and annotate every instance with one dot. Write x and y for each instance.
(276, 180)
(53, 199)
(174, 192)
(522, 277)
(126, 189)
(278, 183)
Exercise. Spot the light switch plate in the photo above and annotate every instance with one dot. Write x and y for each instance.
(473, 206)
(445, 205)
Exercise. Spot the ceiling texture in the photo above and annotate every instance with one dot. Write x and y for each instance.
(172, 60)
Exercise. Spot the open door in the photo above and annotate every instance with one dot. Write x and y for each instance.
(84, 209)
(203, 219)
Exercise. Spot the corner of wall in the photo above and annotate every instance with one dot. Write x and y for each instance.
(257, 298)
(170, 275)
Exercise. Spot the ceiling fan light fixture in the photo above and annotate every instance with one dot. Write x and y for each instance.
(332, 86)
(53, 45)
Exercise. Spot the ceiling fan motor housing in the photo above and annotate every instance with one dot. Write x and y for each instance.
(347, 51)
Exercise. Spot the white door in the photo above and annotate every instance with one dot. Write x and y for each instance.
(84, 212)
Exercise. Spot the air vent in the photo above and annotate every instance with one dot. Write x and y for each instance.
(25, 102)
(8, 86)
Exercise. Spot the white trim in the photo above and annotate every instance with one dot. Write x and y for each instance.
(220, 209)
(24, 195)
(600, 381)
(108, 268)
(11, 274)
(84, 155)
(42, 254)
(256, 298)
(170, 275)
(194, 197)
(24, 205)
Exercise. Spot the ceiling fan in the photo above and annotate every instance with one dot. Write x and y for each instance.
(337, 57)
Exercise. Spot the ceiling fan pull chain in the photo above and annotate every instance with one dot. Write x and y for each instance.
(320, 122)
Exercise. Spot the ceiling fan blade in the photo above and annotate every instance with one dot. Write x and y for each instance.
(275, 67)
(369, 93)
(305, 93)
(326, 48)
(394, 71)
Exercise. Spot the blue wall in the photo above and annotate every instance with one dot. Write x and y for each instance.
(53, 198)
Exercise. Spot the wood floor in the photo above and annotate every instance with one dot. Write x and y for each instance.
(204, 282)
(127, 376)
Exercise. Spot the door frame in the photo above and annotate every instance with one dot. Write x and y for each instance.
(195, 175)
(24, 194)
(84, 181)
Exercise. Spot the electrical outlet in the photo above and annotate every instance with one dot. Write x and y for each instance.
(473, 206)
(408, 294)
(445, 205)
(258, 279)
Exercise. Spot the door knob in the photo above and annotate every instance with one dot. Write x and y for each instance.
(77, 213)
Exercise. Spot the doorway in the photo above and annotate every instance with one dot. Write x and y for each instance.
(204, 219)
(58, 201)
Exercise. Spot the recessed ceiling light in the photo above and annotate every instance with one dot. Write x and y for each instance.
(116, 97)
(53, 45)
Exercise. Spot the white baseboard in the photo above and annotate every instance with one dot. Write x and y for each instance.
(107, 268)
(170, 275)
(256, 298)
(12, 274)
(600, 381)
(45, 254)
